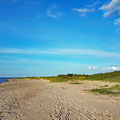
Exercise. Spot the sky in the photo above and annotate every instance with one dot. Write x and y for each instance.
(51, 37)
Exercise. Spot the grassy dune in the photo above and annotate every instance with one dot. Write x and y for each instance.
(109, 77)
(75, 78)
(114, 90)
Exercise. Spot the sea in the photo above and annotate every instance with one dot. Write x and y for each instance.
(5, 79)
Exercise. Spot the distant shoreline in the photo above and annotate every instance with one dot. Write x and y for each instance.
(3, 80)
(6, 79)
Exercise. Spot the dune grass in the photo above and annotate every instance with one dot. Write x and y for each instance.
(63, 78)
(60, 79)
(114, 90)
(56, 79)
(107, 77)
(75, 83)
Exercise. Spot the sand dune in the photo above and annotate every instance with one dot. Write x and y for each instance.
(41, 100)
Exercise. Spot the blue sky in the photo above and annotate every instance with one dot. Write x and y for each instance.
(44, 37)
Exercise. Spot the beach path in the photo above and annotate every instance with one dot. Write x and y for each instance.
(41, 100)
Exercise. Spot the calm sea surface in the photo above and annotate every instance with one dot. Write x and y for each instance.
(4, 79)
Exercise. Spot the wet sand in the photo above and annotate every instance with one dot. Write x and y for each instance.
(41, 100)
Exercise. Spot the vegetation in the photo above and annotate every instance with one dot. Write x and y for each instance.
(56, 79)
(65, 78)
(114, 90)
(74, 79)
(110, 77)
(75, 83)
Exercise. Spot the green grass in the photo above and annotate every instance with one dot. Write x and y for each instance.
(75, 83)
(114, 90)
(61, 78)
(113, 79)
(58, 79)
(55, 79)
(108, 77)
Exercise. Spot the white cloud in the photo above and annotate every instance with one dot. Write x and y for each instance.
(50, 14)
(53, 12)
(92, 67)
(88, 8)
(97, 2)
(83, 11)
(111, 68)
(94, 4)
(56, 51)
(117, 22)
(113, 6)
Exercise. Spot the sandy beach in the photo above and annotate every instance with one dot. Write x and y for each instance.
(40, 100)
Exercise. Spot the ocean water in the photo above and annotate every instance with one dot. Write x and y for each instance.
(3, 80)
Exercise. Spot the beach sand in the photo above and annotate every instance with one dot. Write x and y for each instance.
(40, 100)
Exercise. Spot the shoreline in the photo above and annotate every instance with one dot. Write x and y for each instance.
(4, 81)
